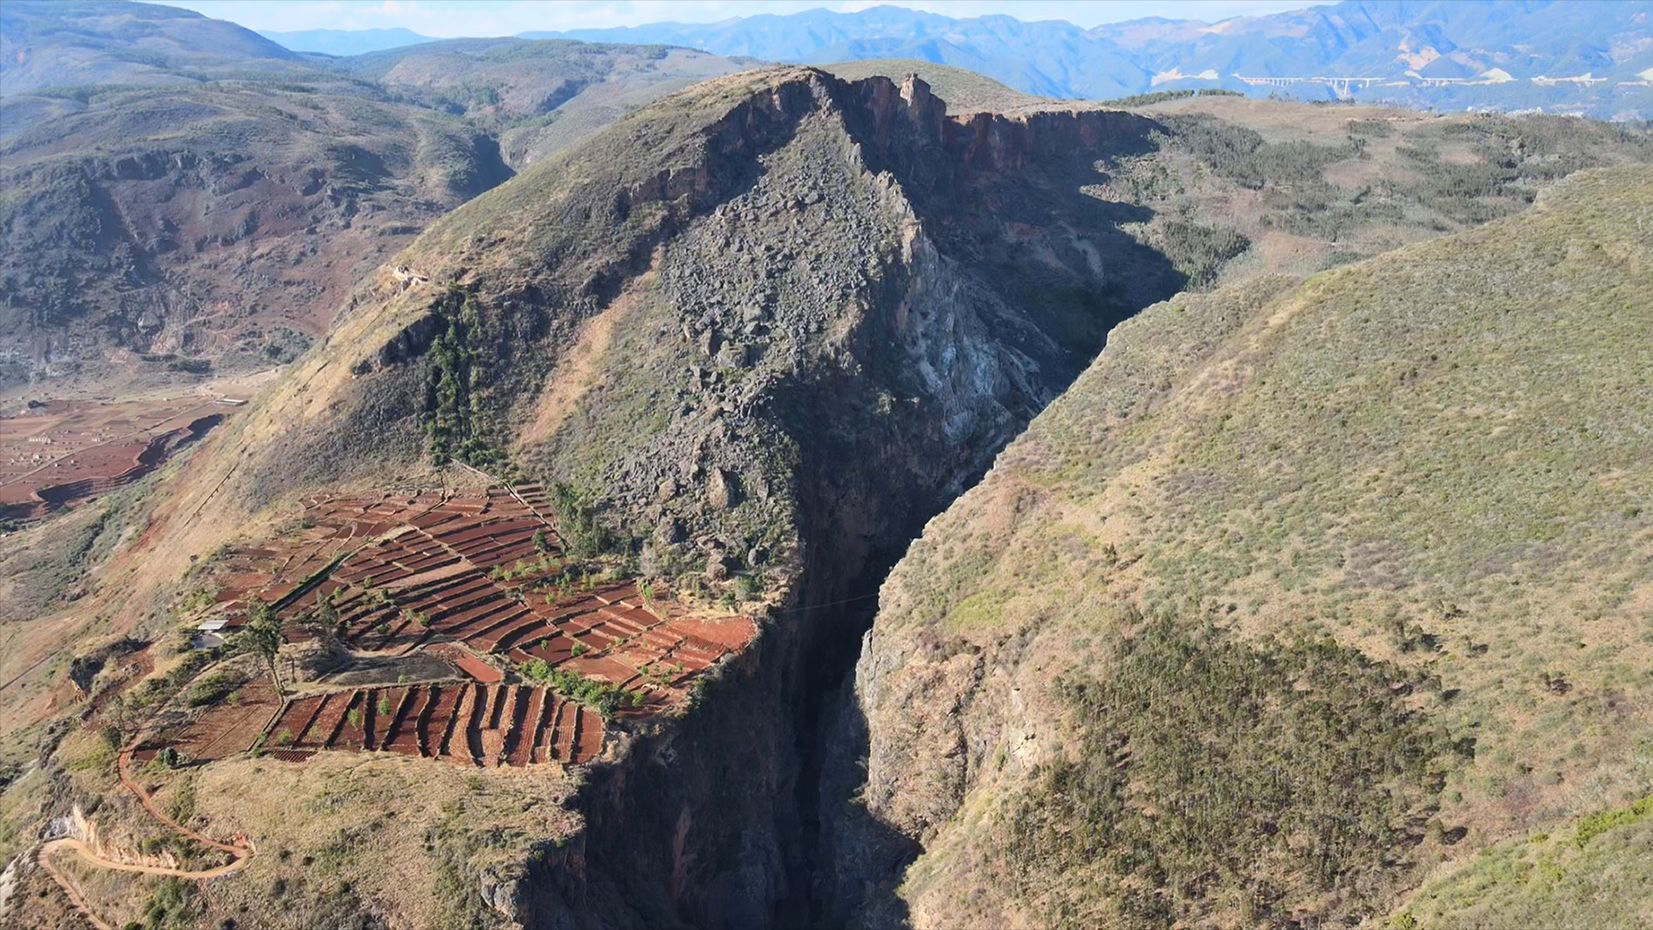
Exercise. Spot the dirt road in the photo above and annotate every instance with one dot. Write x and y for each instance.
(240, 851)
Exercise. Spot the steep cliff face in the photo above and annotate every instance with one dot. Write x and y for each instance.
(769, 326)
(796, 259)
(1285, 603)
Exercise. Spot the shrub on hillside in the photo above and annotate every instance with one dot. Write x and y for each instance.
(1216, 776)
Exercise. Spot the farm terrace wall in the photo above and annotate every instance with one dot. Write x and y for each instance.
(473, 724)
(509, 636)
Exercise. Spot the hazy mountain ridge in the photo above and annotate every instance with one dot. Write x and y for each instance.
(345, 42)
(183, 192)
(1586, 57)
(1447, 55)
(45, 44)
(538, 96)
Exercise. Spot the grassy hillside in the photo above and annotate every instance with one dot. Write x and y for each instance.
(1588, 873)
(1338, 580)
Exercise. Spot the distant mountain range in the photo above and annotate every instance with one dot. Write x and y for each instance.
(82, 43)
(346, 41)
(1588, 57)
(1577, 56)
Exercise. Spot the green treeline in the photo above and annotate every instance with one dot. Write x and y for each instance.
(455, 386)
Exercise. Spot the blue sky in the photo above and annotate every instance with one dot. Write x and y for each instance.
(447, 18)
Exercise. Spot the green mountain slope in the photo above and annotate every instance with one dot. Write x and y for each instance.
(1304, 588)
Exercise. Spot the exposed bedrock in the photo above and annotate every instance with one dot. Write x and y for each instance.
(827, 307)
(953, 333)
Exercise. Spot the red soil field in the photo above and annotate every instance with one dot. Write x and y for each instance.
(55, 454)
(466, 662)
(460, 576)
(472, 724)
(224, 730)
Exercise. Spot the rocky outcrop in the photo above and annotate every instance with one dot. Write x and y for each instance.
(827, 318)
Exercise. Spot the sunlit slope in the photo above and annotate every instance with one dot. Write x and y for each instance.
(1338, 582)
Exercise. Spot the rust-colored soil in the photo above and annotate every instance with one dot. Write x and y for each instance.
(472, 724)
(476, 579)
(223, 730)
(61, 452)
(65, 451)
(467, 662)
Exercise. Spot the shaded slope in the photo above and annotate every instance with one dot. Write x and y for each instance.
(1423, 471)
(223, 222)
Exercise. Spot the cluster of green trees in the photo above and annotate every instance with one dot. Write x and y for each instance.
(1197, 250)
(262, 637)
(213, 687)
(174, 903)
(578, 523)
(601, 696)
(1160, 96)
(455, 387)
(129, 710)
(1242, 155)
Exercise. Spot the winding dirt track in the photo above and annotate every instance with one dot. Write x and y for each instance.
(240, 851)
(44, 858)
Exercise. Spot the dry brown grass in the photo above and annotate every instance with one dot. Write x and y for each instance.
(371, 821)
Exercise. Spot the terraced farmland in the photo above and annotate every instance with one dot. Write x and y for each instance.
(477, 583)
(56, 454)
(472, 724)
(229, 728)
